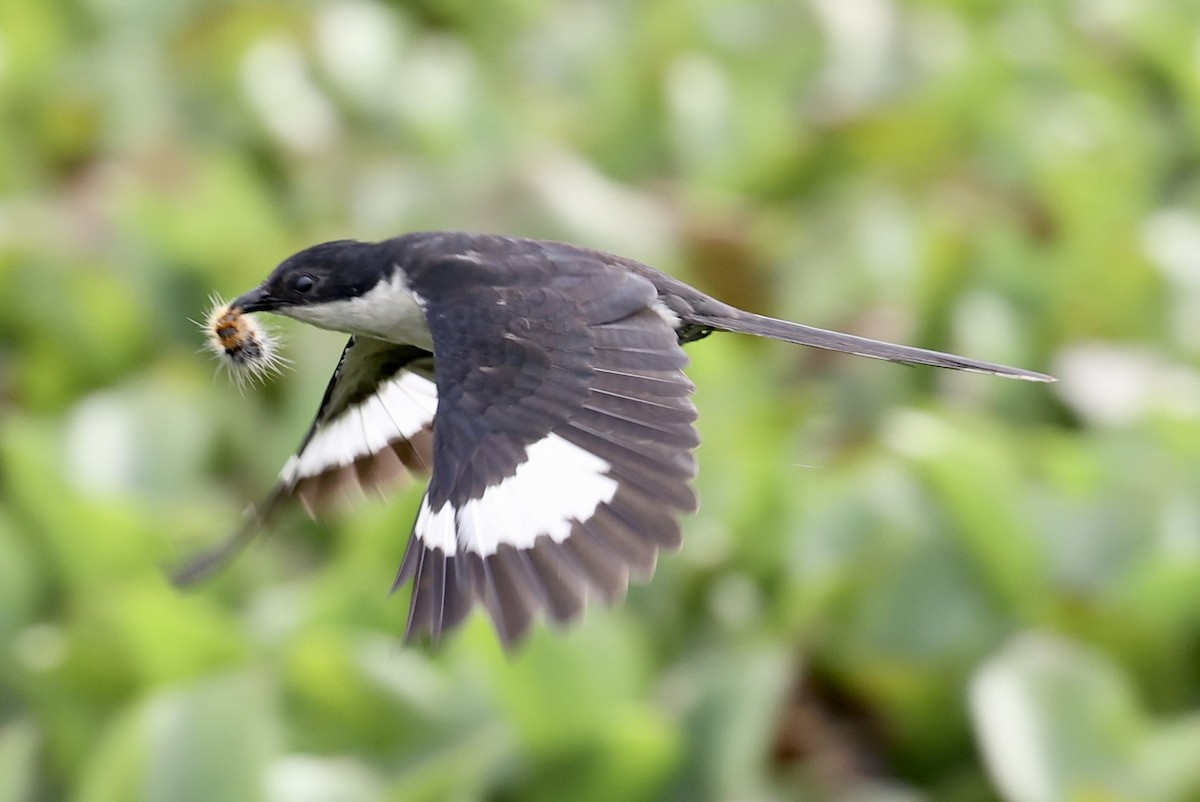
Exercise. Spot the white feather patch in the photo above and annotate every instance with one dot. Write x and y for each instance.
(667, 314)
(559, 483)
(436, 529)
(390, 311)
(399, 409)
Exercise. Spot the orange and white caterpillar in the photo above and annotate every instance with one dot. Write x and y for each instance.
(247, 349)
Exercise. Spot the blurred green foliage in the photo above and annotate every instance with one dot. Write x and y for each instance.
(902, 585)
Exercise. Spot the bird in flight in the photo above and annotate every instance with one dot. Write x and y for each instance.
(539, 384)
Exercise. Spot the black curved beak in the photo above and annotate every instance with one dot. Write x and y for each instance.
(257, 300)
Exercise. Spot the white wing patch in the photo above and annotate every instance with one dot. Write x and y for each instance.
(436, 529)
(401, 408)
(559, 483)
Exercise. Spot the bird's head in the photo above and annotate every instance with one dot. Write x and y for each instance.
(348, 286)
(325, 273)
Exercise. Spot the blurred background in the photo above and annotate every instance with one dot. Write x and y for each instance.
(903, 584)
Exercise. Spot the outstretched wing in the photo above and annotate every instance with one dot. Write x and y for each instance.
(373, 428)
(562, 442)
(374, 425)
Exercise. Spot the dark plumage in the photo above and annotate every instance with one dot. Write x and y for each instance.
(541, 383)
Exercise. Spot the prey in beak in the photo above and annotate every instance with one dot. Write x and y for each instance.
(245, 348)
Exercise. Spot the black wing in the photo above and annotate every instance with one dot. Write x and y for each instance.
(373, 428)
(562, 442)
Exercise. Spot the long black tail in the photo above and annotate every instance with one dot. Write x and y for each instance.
(749, 323)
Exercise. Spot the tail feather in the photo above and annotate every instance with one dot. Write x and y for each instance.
(748, 323)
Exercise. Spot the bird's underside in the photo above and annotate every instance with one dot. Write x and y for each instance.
(552, 415)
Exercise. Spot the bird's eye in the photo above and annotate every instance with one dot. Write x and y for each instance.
(303, 283)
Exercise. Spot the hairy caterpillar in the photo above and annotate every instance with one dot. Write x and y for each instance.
(247, 349)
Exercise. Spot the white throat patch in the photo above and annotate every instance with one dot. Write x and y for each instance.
(391, 311)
